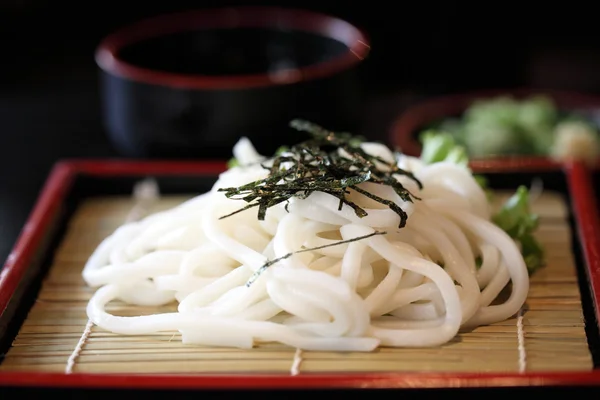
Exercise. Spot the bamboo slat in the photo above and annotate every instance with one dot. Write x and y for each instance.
(553, 325)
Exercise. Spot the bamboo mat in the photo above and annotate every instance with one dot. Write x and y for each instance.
(547, 335)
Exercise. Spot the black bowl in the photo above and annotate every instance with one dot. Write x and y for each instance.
(189, 85)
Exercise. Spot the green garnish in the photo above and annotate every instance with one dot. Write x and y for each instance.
(440, 146)
(481, 180)
(232, 163)
(317, 165)
(281, 150)
(504, 125)
(516, 219)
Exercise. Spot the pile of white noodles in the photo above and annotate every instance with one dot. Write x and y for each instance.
(414, 286)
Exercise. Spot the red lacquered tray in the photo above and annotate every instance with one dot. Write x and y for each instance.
(23, 265)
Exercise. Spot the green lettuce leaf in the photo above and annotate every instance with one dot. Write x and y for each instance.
(516, 219)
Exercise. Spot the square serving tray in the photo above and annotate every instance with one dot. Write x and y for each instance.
(70, 182)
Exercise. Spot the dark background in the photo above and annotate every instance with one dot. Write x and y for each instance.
(49, 105)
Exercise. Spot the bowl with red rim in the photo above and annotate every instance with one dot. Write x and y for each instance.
(189, 84)
(406, 128)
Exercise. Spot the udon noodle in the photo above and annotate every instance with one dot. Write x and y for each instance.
(411, 286)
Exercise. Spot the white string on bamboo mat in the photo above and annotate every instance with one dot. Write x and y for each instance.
(295, 370)
(521, 342)
(144, 193)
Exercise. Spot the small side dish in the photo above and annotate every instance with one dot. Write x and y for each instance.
(506, 126)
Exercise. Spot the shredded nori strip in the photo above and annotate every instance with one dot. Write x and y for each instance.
(317, 165)
(266, 265)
